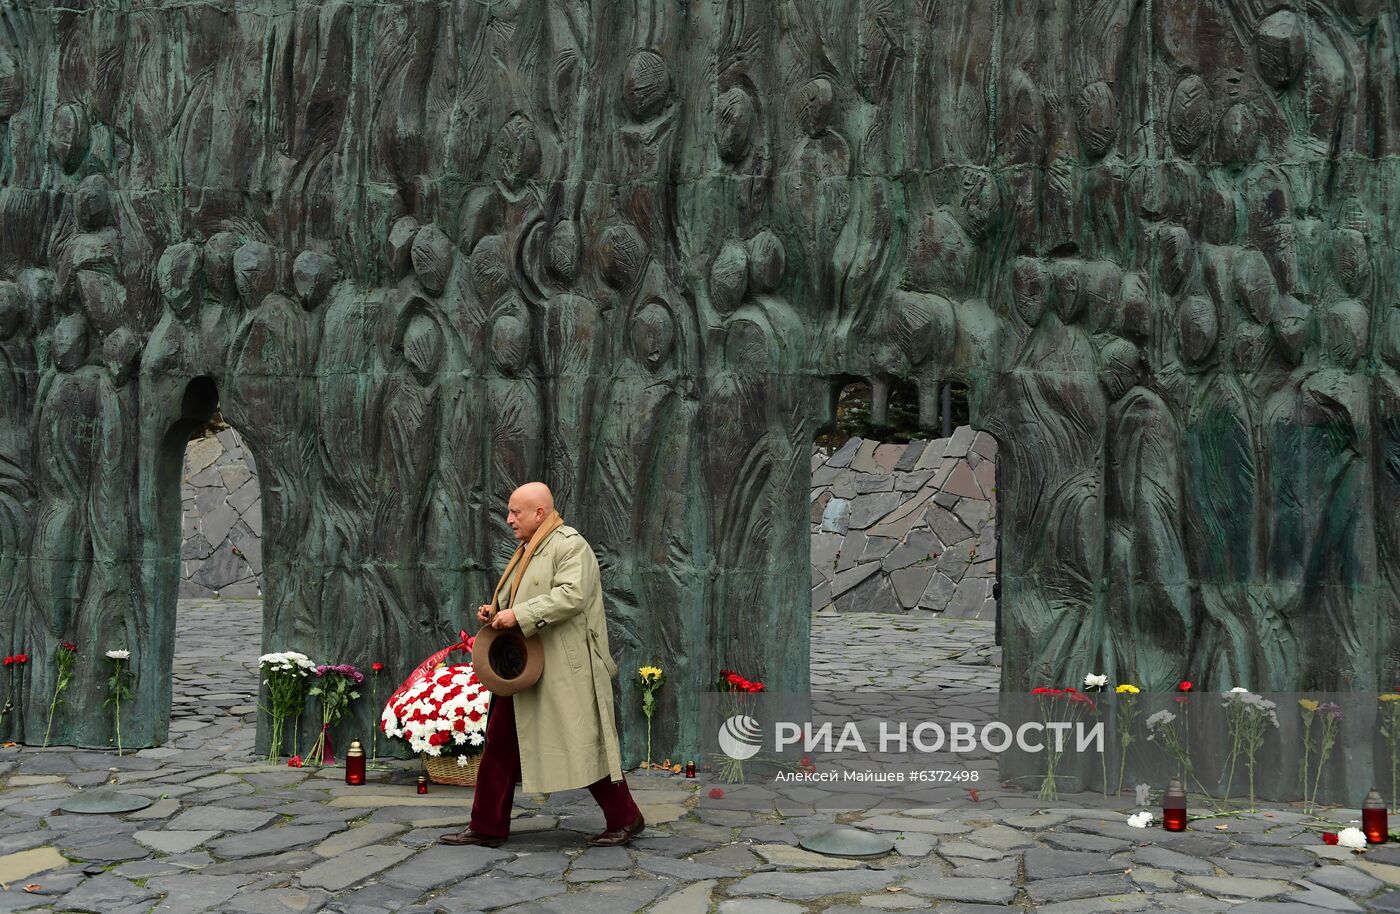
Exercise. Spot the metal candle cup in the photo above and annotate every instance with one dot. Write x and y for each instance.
(1374, 821)
(355, 764)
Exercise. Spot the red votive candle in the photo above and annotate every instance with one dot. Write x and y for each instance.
(1174, 807)
(355, 764)
(422, 783)
(690, 769)
(1373, 818)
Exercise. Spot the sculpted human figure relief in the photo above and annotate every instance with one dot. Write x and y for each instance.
(66, 459)
(514, 421)
(1148, 607)
(572, 340)
(348, 385)
(270, 346)
(1335, 412)
(408, 451)
(814, 192)
(89, 271)
(18, 383)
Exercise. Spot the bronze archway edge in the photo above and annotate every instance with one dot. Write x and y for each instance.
(425, 251)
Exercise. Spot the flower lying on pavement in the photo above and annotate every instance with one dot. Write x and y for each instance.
(294, 762)
(1140, 819)
(1353, 838)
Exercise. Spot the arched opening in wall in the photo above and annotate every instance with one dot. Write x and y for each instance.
(219, 611)
(904, 525)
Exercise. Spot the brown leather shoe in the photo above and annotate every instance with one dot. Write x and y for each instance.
(619, 836)
(467, 836)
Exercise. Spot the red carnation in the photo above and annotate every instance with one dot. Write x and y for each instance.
(1329, 837)
(70, 647)
(21, 658)
(1184, 685)
(438, 739)
(294, 762)
(716, 793)
(377, 667)
(460, 726)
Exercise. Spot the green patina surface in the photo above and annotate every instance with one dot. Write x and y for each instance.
(422, 252)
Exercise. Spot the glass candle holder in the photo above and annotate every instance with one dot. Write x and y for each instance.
(690, 769)
(1174, 807)
(422, 783)
(1374, 821)
(355, 764)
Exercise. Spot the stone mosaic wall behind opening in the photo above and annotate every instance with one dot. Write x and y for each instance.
(902, 526)
(222, 507)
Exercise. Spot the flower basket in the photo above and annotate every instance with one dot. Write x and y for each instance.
(441, 714)
(443, 769)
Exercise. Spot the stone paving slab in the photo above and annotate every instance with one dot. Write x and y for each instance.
(230, 835)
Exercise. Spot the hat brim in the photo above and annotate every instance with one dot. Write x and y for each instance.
(506, 638)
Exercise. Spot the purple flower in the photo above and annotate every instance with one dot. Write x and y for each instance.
(1331, 709)
(342, 669)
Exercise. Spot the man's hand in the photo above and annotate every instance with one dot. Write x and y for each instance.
(485, 612)
(504, 619)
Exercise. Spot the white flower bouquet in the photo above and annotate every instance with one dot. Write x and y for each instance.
(285, 675)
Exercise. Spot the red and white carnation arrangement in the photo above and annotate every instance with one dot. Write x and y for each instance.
(444, 713)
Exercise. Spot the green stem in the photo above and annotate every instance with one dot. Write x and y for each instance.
(374, 722)
(53, 707)
(1230, 764)
(1324, 750)
(1251, 783)
(118, 713)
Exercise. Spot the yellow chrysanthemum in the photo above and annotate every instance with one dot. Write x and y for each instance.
(650, 673)
(1307, 704)
(1129, 688)
(1390, 696)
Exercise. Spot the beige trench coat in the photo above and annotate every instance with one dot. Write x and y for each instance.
(568, 736)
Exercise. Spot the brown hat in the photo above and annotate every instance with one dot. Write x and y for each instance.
(506, 661)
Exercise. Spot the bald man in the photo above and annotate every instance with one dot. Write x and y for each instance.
(560, 733)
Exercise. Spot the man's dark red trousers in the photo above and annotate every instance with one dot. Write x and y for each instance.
(500, 770)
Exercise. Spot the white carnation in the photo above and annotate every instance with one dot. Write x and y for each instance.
(1140, 819)
(1353, 838)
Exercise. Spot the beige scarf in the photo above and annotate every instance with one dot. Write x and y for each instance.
(523, 555)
